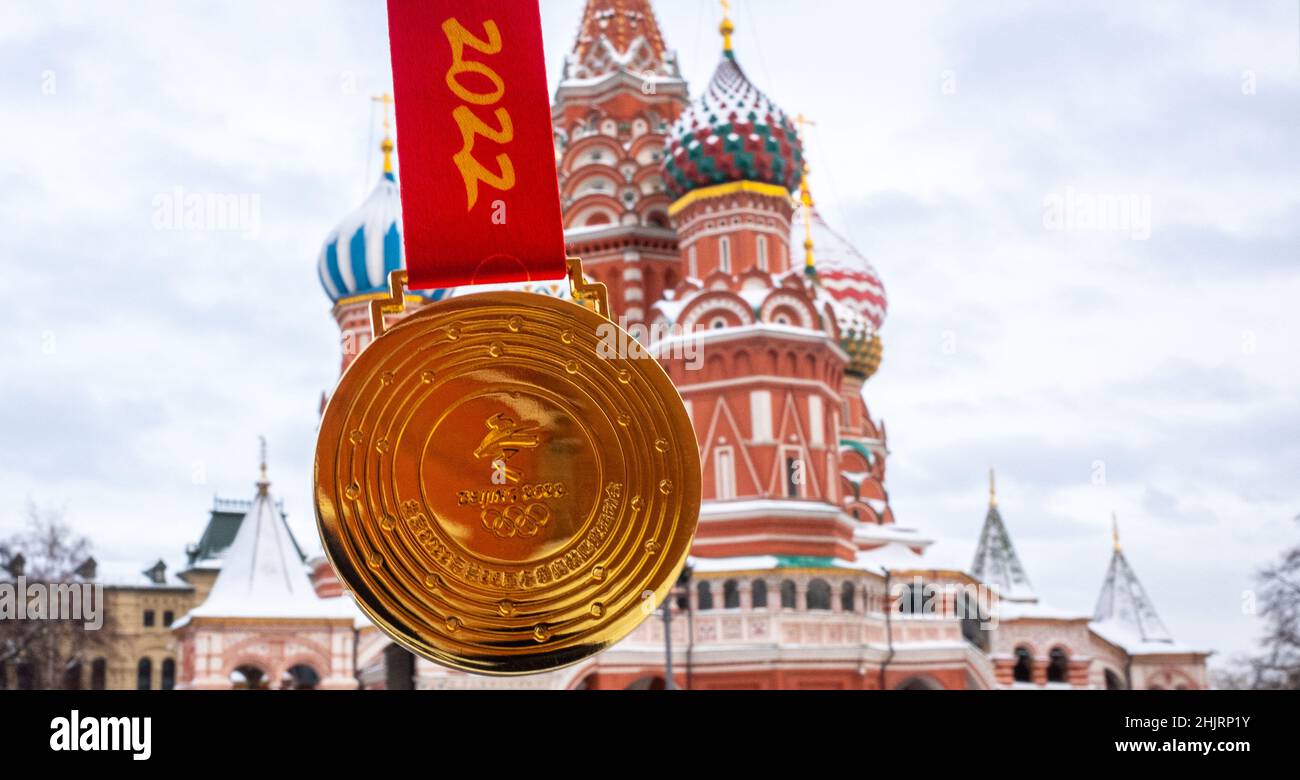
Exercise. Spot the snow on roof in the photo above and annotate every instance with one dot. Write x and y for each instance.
(1009, 609)
(1124, 603)
(1122, 635)
(769, 506)
(857, 478)
(263, 576)
(121, 574)
(865, 533)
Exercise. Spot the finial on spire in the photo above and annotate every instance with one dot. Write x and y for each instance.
(728, 27)
(806, 199)
(263, 483)
(993, 490)
(386, 145)
(1114, 530)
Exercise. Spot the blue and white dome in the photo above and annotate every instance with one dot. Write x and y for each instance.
(366, 247)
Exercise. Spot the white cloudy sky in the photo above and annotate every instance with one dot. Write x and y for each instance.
(143, 363)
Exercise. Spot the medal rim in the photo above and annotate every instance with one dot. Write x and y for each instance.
(368, 599)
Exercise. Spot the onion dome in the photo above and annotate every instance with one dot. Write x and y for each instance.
(858, 337)
(732, 133)
(843, 271)
(366, 246)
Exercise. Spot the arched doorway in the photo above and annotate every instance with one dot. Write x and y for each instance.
(300, 677)
(647, 684)
(399, 669)
(248, 678)
(920, 683)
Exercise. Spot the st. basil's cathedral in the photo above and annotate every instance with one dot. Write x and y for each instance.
(698, 216)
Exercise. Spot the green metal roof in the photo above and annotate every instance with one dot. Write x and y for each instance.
(223, 523)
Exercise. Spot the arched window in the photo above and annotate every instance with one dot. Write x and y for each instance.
(1024, 671)
(724, 255)
(168, 679)
(72, 677)
(301, 678)
(819, 595)
(731, 594)
(915, 599)
(972, 620)
(99, 675)
(1113, 681)
(794, 476)
(919, 684)
(1058, 667)
(787, 594)
(758, 594)
(724, 466)
(693, 262)
(848, 597)
(144, 675)
(762, 253)
(704, 593)
(24, 676)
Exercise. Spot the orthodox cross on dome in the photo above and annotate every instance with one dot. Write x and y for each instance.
(386, 100)
(1114, 530)
(728, 27)
(993, 489)
(805, 199)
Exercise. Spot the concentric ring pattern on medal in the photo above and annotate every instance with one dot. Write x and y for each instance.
(497, 495)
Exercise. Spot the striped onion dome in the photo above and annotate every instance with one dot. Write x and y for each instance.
(842, 270)
(365, 247)
(733, 133)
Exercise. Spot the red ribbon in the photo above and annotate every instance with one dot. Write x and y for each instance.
(480, 199)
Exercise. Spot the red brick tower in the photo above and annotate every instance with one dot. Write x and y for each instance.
(620, 91)
(765, 390)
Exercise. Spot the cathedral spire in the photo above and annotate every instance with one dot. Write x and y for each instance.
(386, 146)
(806, 203)
(727, 29)
(619, 35)
(263, 481)
(1124, 610)
(262, 573)
(996, 561)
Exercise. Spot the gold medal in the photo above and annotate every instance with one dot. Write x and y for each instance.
(500, 494)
